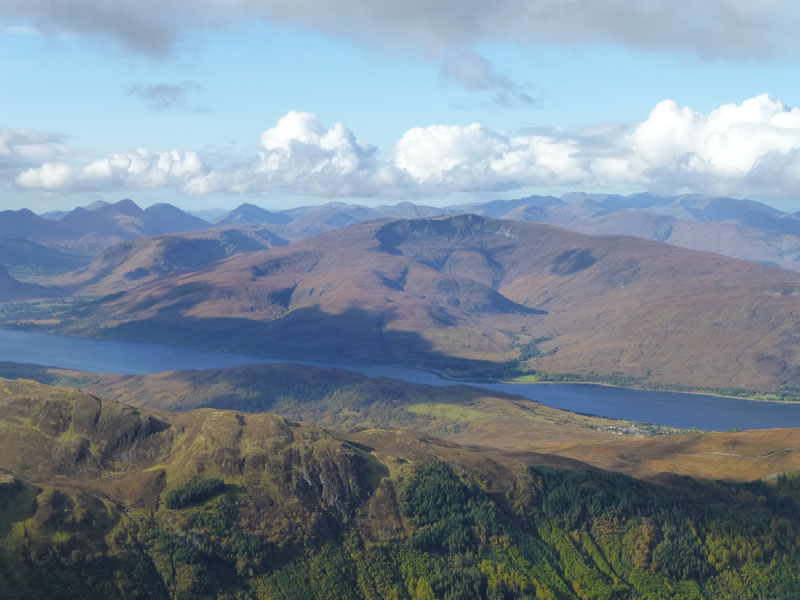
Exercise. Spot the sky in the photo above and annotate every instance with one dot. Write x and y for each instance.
(211, 103)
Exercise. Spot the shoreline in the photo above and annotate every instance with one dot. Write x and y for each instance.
(611, 385)
(653, 389)
(442, 375)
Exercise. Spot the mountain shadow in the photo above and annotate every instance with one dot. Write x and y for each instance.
(355, 335)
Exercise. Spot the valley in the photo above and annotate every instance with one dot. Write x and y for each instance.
(399, 300)
(472, 297)
(350, 402)
(79, 358)
(215, 467)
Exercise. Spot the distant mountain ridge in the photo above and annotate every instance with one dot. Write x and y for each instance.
(738, 228)
(88, 230)
(131, 263)
(471, 288)
(249, 213)
(728, 226)
(23, 257)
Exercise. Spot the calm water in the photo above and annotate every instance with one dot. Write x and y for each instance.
(664, 408)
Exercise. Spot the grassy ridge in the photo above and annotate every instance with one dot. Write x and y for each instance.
(279, 509)
(348, 401)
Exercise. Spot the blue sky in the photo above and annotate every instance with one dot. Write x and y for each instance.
(430, 111)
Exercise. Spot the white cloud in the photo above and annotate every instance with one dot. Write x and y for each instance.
(300, 155)
(752, 147)
(720, 28)
(139, 169)
(728, 142)
(472, 158)
(753, 144)
(441, 154)
(25, 146)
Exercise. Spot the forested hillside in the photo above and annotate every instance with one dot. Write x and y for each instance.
(101, 500)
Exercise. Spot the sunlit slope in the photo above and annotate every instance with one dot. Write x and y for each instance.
(350, 402)
(467, 288)
(131, 263)
(102, 500)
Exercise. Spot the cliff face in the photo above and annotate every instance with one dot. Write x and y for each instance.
(49, 433)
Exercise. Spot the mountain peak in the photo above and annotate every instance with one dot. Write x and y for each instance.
(250, 213)
(126, 204)
(96, 204)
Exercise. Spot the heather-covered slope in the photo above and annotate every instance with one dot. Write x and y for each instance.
(351, 402)
(101, 500)
(440, 292)
(133, 262)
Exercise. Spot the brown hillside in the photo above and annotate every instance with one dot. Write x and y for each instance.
(729, 239)
(392, 415)
(53, 436)
(133, 262)
(51, 433)
(464, 415)
(426, 291)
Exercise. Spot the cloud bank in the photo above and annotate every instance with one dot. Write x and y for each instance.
(723, 28)
(140, 169)
(752, 147)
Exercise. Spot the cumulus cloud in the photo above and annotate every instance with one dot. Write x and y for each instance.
(752, 147)
(167, 96)
(474, 158)
(22, 148)
(722, 28)
(754, 144)
(140, 169)
(299, 154)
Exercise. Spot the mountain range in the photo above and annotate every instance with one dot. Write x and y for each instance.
(733, 227)
(728, 226)
(133, 262)
(464, 292)
(468, 294)
(89, 230)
